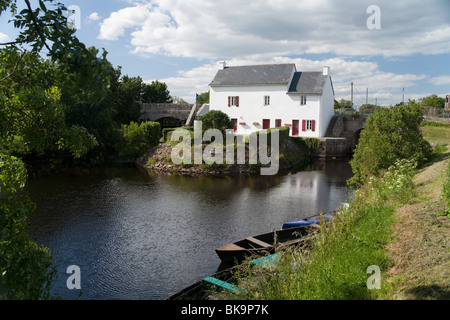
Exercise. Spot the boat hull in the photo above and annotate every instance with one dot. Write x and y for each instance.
(263, 244)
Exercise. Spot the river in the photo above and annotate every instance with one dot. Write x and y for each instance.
(136, 235)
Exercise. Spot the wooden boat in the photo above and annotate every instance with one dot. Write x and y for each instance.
(291, 233)
(263, 244)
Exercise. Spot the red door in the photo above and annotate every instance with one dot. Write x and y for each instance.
(266, 123)
(234, 125)
(295, 127)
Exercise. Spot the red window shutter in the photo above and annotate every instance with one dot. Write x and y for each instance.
(303, 125)
(229, 101)
(237, 101)
(313, 125)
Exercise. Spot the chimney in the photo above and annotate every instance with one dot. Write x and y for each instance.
(326, 71)
(224, 64)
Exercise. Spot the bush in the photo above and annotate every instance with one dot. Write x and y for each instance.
(389, 135)
(138, 139)
(215, 119)
(283, 133)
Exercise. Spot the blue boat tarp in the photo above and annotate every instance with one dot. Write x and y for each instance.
(298, 223)
(304, 222)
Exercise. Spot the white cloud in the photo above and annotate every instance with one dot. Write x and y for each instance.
(232, 28)
(384, 87)
(114, 26)
(4, 37)
(439, 81)
(94, 16)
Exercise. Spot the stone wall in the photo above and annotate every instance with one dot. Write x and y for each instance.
(155, 111)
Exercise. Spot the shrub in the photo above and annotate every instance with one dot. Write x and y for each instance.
(215, 119)
(138, 138)
(389, 135)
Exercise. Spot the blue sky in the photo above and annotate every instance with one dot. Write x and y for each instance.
(182, 42)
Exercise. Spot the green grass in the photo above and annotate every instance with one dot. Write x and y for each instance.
(437, 133)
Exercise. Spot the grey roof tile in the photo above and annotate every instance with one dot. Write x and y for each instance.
(269, 74)
(308, 82)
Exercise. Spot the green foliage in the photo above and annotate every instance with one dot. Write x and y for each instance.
(389, 135)
(435, 124)
(32, 110)
(446, 192)
(203, 98)
(127, 99)
(342, 104)
(215, 119)
(138, 139)
(432, 101)
(156, 92)
(283, 133)
(25, 271)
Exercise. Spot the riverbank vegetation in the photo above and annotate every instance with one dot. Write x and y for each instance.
(70, 108)
(394, 222)
(292, 151)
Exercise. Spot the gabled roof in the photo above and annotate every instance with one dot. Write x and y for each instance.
(308, 82)
(269, 74)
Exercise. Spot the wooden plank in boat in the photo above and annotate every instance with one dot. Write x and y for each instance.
(259, 242)
(232, 247)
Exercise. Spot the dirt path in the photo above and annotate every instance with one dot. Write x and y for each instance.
(420, 251)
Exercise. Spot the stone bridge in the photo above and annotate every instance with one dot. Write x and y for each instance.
(166, 113)
(342, 136)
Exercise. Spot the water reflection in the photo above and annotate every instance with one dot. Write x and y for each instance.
(143, 236)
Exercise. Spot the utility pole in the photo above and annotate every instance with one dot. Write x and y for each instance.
(352, 93)
(403, 96)
(367, 96)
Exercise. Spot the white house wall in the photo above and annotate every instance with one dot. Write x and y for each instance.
(327, 107)
(282, 106)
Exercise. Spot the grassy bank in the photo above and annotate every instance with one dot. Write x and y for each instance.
(420, 251)
(392, 223)
(334, 265)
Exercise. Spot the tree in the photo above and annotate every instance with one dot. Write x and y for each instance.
(389, 135)
(215, 119)
(127, 100)
(342, 104)
(46, 106)
(432, 101)
(156, 92)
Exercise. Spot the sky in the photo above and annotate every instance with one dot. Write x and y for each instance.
(391, 50)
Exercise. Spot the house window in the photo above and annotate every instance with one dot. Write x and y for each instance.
(267, 100)
(234, 125)
(309, 125)
(277, 123)
(233, 101)
(266, 124)
(302, 100)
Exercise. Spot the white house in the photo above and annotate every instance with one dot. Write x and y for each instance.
(265, 96)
